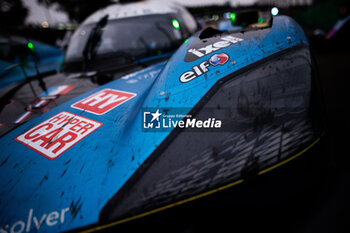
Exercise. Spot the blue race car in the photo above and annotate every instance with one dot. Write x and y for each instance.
(114, 139)
(22, 59)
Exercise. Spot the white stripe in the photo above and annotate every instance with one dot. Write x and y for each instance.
(21, 118)
(40, 103)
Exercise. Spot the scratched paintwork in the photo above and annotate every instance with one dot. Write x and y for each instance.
(87, 175)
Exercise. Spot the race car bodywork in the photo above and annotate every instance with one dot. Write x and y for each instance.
(97, 158)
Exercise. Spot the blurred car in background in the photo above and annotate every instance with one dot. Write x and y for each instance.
(21, 59)
(124, 35)
(114, 41)
(248, 18)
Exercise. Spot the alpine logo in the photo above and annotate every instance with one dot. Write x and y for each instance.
(202, 68)
(194, 53)
(103, 101)
(57, 134)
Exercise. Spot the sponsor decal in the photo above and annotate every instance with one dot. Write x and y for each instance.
(43, 101)
(202, 68)
(197, 52)
(33, 222)
(58, 90)
(218, 59)
(57, 134)
(163, 120)
(103, 101)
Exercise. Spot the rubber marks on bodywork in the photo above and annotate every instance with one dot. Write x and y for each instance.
(202, 68)
(103, 101)
(57, 134)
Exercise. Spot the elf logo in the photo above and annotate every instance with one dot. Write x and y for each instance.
(195, 53)
(216, 59)
(103, 101)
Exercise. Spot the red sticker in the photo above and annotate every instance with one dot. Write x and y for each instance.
(57, 134)
(103, 101)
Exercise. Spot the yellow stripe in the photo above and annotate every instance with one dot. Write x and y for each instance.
(164, 207)
(200, 195)
(289, 159)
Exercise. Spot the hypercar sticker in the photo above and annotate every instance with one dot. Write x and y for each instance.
(103, 101)
(198, 70)
(54, 136)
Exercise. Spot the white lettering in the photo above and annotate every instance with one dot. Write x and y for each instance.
(221, 44)
(98, 98)
(52, 218)
(29, 221)
(63, 211)
(187, 76)
(174, 123)
(165, 125)
(196, 52)
(209, 123)
(190, 123)
(197, 70)
(112, 100)
(21, 227)
(38, 224)
(199, 124)
(181, 124)
(232, 39)
(208, 49)
(225, 42)
(204, 66)
(206, 124)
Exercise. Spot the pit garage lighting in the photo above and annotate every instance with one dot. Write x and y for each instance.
(45, 24)
(274, 11)
(175, 23)
(233, 18)
(30, 46)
